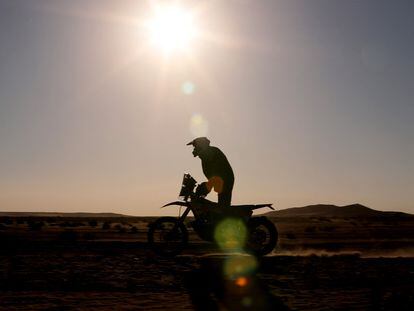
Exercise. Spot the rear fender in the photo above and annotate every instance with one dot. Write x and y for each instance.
(269, 205)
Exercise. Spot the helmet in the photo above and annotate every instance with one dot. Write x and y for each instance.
(199, 144)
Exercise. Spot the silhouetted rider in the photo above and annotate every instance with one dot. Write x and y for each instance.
(216, 168)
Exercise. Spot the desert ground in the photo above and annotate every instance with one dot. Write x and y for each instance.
(320, 263)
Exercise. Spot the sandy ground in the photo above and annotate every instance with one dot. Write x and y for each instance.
(319, 264)
(130, 279)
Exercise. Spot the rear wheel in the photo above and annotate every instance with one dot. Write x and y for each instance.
(167, 236)
(262, 237)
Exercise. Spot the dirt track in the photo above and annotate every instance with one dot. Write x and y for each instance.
(132, 278)
(320, 264)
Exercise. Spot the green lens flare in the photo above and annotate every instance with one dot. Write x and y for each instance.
(198, 125)
(239, 266)
(188, 88)
(230, 234)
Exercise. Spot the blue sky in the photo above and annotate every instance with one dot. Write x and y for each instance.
(312, 102)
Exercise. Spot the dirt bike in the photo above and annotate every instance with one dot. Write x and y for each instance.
(232, 227)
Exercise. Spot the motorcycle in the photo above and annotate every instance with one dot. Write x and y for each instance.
(230, 227)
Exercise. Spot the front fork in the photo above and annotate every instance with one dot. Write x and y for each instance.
(180, 220)
(184, 215)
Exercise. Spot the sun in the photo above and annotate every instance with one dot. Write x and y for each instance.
(172, 29)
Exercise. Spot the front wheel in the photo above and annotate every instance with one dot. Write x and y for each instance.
(262, 238)
(167, 236)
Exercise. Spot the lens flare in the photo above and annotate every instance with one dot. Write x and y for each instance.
(230, 234)
(198, 125)
(188, 88)
(247, 301)
(239, 266)
(241, 281)
(172, 28)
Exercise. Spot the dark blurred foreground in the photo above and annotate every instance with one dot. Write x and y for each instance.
(320, 264)
(115, 277)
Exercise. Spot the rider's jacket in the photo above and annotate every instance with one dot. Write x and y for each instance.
(217, 169)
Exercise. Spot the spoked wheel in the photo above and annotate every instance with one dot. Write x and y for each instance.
(167, 236)
(262, 237)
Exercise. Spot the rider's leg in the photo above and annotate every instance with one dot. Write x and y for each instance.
(224, 202)
(224, 197)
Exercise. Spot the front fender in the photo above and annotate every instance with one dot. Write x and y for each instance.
(179, 203)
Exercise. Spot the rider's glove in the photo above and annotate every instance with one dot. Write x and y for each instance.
(202, 189)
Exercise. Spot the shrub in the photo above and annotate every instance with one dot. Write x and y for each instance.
(106, 225)
(68, 236)
(290, 236)
(7, 221)
(93, 223)
(89, 236)
(133, 230)
(36, 225)
(329, 228)
(71, 224)
(310, 229)
(77, 224)
(326, 219)
(65, 224)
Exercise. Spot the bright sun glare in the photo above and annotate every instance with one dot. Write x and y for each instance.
(172, 29)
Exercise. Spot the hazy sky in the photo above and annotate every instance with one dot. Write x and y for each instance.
(312, 102)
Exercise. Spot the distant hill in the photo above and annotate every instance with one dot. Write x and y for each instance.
(53, 214)
(328, 210)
